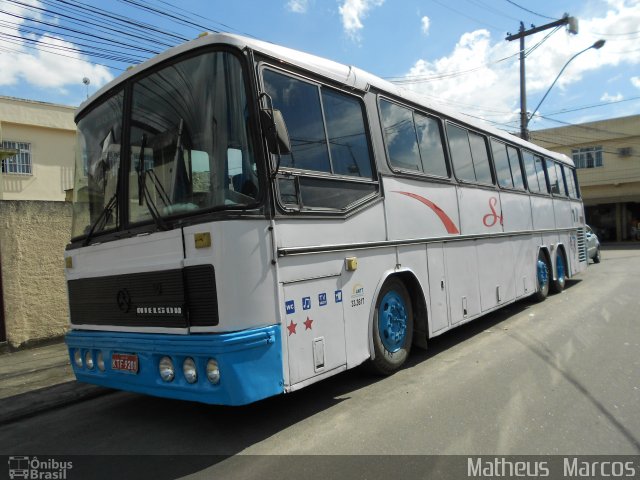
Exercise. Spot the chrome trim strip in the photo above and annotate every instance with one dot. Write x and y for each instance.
(111, 328)
(292, 251)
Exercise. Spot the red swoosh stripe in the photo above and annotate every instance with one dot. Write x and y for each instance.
(444, 218)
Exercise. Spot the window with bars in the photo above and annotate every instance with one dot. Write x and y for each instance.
(19, 164)
(587, 157)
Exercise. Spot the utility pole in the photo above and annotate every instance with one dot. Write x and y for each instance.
(572, 22)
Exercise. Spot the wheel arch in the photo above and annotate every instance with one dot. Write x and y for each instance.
(567, 270)
(547, 255)
(418, 304)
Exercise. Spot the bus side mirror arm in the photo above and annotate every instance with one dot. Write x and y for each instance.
(276, 132)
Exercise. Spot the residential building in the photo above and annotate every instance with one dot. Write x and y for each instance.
(607, 157)
(37, 145)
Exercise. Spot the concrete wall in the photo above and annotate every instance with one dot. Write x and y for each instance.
(51, 132)
(33, 236)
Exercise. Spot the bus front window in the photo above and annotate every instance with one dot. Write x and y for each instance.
(95, 192)
(188, 148)
(185, 121)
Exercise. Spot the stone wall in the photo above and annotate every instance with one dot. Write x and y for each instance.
(33, 236)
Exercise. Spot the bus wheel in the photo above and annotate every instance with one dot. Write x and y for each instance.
(392, 327)
(557, 285)
(542, 276)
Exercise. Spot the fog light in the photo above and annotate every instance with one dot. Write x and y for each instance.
(88, 359)
(213, 372)
(165, 367)
(77, 358)
(189, 370)
(100, 360)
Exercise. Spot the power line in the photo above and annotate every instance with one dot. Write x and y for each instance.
(411, 79)
(615, 34)
(71, 19)
(81, 36)
(586, 107)
(530, 11)
(493, 27)
(486, 6)
(589, 128)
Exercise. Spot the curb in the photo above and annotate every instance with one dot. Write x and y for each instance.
(30, 403)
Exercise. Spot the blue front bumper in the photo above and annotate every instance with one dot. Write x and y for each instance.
(250, 363)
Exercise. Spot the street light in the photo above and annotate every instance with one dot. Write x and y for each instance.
(596, 46)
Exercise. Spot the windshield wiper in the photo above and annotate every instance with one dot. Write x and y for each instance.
(143, 191)
(104, 214)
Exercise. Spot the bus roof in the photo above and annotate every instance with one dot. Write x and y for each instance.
(349, 76)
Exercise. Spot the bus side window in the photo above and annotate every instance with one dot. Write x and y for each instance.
(400, 136)
(553, 177)
(480, 156)
(300, 105)
(431, 148)
(542, 179)
(347, 134)
(571, 184)
(530, 169)
(413, 140)
(561, 183)
(469, 155)
(516, 168)
(461, 153)
(501, 162)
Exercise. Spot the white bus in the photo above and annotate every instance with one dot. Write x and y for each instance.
(249, 219)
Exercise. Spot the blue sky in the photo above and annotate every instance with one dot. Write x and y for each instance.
(452, 51)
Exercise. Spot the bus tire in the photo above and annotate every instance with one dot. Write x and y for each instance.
(392, 327)
(542, 277)
(557, 285)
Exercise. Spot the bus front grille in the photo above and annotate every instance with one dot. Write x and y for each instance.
(176, 298)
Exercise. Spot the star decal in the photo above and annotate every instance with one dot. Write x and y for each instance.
(307, 324)
(292, 327)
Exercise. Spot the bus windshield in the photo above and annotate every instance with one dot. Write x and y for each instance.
(188, 148)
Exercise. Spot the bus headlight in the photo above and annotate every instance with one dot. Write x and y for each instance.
(165, 368)
(88, 359)
(213, 371)
(77, 358)
(189, 370)
(100, 360)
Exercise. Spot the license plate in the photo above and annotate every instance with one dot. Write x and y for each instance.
(124, 362)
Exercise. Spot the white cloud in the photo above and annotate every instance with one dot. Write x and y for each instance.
(635, 81)
(481, 75)
(426, 23)
(352, 12)
(39, 67)
(611, 98)
(298, 6)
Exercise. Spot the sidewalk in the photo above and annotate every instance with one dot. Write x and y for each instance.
(38, 379)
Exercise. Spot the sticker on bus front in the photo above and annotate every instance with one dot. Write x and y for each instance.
(322, 299)
(290, 307)
(306, 303)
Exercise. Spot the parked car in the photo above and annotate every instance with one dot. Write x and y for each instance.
(593, 245)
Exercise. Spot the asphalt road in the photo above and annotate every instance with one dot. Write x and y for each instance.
(559, 377)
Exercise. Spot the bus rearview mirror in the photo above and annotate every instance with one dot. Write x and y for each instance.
(277, 133)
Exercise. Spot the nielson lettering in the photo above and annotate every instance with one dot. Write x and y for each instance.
(159, 310)
(576, 468)
(501, 467)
